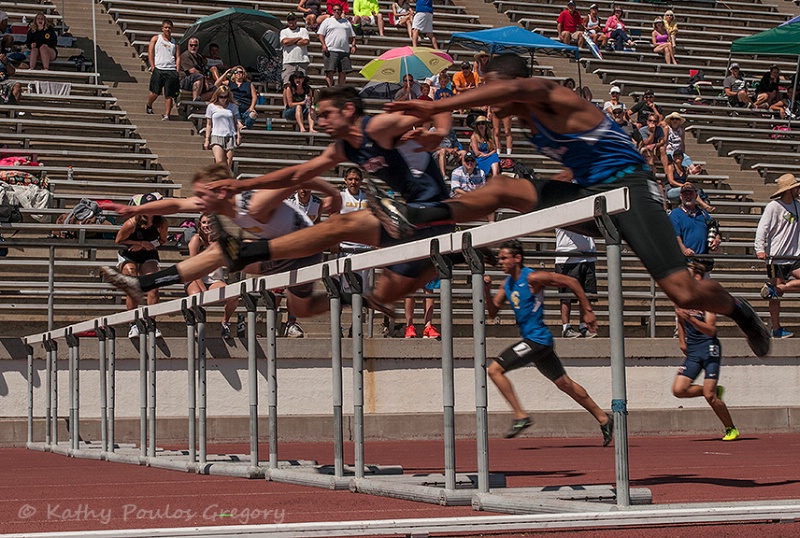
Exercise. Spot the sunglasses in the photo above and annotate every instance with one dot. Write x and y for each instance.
(651, 121)
(194, 45)
(238, 72)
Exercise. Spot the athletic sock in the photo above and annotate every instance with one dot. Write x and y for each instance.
(254, 251)
(565, 326)
(437, 212)
(159, 279)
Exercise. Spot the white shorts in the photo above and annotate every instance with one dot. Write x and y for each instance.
(423, 22)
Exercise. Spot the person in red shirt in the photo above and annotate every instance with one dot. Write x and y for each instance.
(570, 25)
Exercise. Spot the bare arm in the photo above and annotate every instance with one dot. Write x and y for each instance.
(151, 52)
(387, 129)
(540, 279)
(493, 303)
(167, 206)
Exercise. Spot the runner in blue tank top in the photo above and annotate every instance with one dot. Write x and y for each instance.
(574, 132)
(697, 332)
(524, 290)
(376, 144)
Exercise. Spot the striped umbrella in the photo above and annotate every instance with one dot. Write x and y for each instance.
(419, 62)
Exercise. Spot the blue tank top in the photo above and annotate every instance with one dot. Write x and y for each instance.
(699, 344)
(411, 174)
(600, 155)
(528, 308)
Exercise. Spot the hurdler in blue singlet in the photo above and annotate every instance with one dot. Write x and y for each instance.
(410, 173)
(597, 156)
(528, 308)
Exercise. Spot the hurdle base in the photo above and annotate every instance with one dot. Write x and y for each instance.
(425, 488)
(322, 476)
(544, 501)
(593, 493)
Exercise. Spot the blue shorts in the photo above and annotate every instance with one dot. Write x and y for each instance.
(418, 267)
(695, 362)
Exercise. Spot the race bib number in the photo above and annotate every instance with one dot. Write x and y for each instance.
(521, 349)
(713, 350)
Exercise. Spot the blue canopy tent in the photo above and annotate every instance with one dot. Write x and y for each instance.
(513, 39)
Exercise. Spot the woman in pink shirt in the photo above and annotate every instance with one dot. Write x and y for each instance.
(615, 30)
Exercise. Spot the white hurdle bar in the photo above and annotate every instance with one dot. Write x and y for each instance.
(596, 207)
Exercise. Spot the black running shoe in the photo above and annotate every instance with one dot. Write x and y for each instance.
(231, 245)
(757, 334)
(129, 284)
(608, 430)
(517, 426)
(391, 213)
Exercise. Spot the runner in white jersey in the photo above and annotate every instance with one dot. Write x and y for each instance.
(353, 199)
(262, 214)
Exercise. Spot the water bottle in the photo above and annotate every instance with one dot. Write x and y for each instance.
(390, 194)
(70, 174)
(269, 124)
(24, 19)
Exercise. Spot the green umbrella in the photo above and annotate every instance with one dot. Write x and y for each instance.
(242, 35)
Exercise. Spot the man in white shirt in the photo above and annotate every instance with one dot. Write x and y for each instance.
(294, 41)
(165, 63)
(338, 42)
(580, 265)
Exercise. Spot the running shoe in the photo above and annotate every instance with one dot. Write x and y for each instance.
(782, 333)
(293, 330)
(586, 333)
(720, 392)
(225, 330)
(391, 213)
(231, 245)
(608, 430)
(133, 331)
(757, 334)
(148, 109)
(517, 426)
(731, 434)
(129, 284)
(411, 332)
(431, 332)
(158, 333)
(569, 332)
(768, 291)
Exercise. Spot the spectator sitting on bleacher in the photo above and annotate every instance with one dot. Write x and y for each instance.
(141, 236)
(479, 65)
(584, 92)
(410, 89)
(164, 62)
(671, 26)
(440, 81)
(785, 106)
(244, 94)
(42, 40)
(344, 4)
(618, 114)
(613, 102)
(312, 13)
(223, 132)
(403, 15)
(569, 25)
(466, 177)
(661, 42)
(466, 79)
(653, 140)
(644, 108)
(215, 64)
(615, 30)
(768, 87)
(677, 175)
(591, 24)
(735, 88)
(425, 91)
(193, 67)
(10, 90)
(481, 145)
(6, 39)
(297, 101)
(294, 42)
(367, 13)
(676, 134)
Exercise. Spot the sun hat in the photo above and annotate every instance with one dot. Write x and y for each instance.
(481, 119)
(785, 183)
(481, 54)
(676, 116)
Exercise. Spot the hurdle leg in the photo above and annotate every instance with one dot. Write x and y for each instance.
(335, 295)
(358, 367)
(48, 412)
(54, 392)
(74, 405)
(111, 335)
(191, 385)
(101, 359)
(251, 304)
(151, 396)
(200, 317)
(29, 353)
(142, 387)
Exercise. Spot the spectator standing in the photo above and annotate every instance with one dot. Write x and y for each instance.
(441, 81)
(569, 25)
(466, 79)
(403, 15)
(671, 26)
(524, 289)
(368, 13)
(768, 87)
(162, 55)
(223, 132)
(580, 265)
(645, 108)
(423, 23)
(735, 88)
(613, 102)
(244, 94)
(216, 279)
(482, 146)
(778, 235)
(140, 237)
(697, 331)
(42, 40)
(695, 229)
(10, 90)
(311, 11)
(297, 100)
(410, 305)
(466, 177)
(338, 41)
(662, 44)
(591, 23)
(616, 31)
(193, 67)
(294, 43)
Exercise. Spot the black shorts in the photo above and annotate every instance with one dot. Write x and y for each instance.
(274, 267)
(526, 352)
(583, 272)
(645, 227)
(782, 271)
(166, 81)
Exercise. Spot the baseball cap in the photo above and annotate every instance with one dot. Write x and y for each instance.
(616, 108)
(688, 187)
(593, 6)
(464, 65)
(570, 3)
(469, 156)
(3, 16)
(290, 16)
(734, 65)
(614, 89)
(648, 93)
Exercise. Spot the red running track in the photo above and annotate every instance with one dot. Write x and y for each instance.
(43, 492)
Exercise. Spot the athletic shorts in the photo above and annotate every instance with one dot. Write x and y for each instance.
(273, 267)
(782, 271)
(166, 81)
(227, 143)
(583, 272)
(526, 352)
(287, 70)
(707, 360)
(414, 268)
(336, 61)
(423, 22)
(645, 227)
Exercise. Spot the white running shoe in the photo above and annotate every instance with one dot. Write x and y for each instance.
(129, 284)
(133, 331)
(294, 330)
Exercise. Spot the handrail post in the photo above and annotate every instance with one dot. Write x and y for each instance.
(191, 370)
(475, 261)
(445, 269)
(271, 303)
(356, 288)
(251, 304)
(200, 317)
(619, 402)
(335, 294)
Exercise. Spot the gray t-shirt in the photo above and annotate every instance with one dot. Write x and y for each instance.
(735, 84)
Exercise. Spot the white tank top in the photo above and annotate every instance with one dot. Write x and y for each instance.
(353, 203)
(164, 54)
(285, 219)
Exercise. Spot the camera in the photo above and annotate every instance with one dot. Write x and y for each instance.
(713, 231)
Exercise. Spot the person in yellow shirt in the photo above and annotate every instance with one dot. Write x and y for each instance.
(368, 12)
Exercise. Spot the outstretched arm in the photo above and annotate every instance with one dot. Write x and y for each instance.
(540, 279)
(167, 206)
